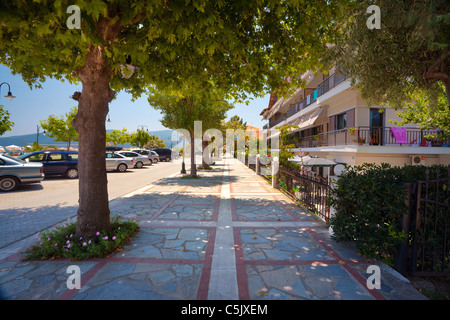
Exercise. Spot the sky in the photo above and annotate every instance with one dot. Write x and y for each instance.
(33, 105)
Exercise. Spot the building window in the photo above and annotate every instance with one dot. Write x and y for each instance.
(341, 121)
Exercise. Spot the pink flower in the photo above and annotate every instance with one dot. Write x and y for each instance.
(97, 233)
(89, 242)
(105, 238)
(114, 237)
(84, 244)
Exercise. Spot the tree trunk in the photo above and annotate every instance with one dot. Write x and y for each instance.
(447, 90)
(93, 211)
(205, 156)
(193, 166)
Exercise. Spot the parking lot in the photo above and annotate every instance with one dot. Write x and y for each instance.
(35, 207)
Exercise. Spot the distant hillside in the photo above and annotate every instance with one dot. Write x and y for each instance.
(28, 139)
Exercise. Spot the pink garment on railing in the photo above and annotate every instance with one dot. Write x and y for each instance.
(399, 134)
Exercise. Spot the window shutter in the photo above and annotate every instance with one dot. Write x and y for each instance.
(351, 118)
(331, 122)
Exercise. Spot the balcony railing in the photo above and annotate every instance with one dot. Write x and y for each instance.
(323, 87)
(370, 136)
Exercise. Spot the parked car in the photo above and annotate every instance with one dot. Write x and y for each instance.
(14, 172)
(164, 154)
(55, 162)
(113, 148)
(115, 161)
(139, 159)
(155, 156)
(152, 155)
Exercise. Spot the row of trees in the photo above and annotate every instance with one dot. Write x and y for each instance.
(60, 129)
(186, 51)
(141, 138)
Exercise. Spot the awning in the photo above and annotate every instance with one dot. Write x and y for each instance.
(274, 109)
(309, 120)
(308, 161)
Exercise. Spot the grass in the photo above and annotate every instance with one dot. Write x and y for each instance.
(62, 242)
(188, 176)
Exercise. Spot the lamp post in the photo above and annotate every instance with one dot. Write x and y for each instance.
(141, 127)
(183, 168)
(9, 96)
(37, 133)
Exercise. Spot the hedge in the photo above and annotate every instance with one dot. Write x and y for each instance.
(368, 200)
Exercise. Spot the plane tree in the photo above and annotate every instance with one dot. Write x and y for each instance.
(407, 58)
(182, 108)
(60, 128)
(244, 47)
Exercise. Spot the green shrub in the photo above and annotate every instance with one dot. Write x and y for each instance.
(368, 200)
(62, 242)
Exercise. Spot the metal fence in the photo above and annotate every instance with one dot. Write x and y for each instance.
(310, 190)
(430, 230)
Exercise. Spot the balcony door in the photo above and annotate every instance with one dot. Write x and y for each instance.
(376, 127)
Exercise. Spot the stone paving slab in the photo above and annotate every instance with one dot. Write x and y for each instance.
(225, 236)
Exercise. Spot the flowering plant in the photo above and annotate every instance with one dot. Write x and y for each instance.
(352, 130)
(62, 242)
(360, 140)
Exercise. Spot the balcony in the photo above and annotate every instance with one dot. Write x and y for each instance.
(369, 136)
(325, 86)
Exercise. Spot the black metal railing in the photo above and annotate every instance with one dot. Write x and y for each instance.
(370, 136)
(323, 87)
(431, 224)
(310, 190)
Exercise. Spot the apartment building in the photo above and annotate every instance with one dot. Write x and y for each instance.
(335, 123)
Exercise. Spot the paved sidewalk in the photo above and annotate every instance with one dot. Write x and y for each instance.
(226, 236)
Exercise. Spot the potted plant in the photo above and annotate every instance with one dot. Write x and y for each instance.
(352, 130)
(360, 141)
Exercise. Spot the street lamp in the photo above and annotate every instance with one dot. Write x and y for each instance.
(37, 133)
(183, 168)
(142, 127)
(9, 96)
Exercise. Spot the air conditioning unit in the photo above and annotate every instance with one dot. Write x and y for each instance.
(417, 160)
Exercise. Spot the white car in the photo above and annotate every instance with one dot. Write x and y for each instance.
(118, 162)
(139, 159)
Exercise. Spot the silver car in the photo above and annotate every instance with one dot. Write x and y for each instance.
(115, 161)
(152, 155)
(139, 159)
(14, 172)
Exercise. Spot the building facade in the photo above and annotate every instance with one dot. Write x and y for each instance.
(336, 123)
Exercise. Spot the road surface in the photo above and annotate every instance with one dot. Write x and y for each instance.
(35, 207)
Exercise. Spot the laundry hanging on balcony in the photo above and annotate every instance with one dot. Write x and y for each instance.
(399, 134)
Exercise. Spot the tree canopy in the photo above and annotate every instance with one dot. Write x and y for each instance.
(206, 106)
(118, 137)
(5, 123)
(410, 52)
(244, 47)
(60, 127)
